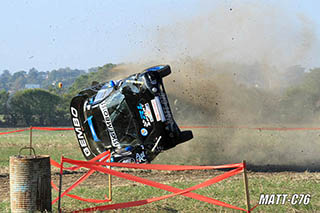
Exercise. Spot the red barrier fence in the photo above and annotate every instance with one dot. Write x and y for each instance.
(37, 128)
(182, 127)
(99, 162)
(99, 166)
(20, 130)
(102, 157)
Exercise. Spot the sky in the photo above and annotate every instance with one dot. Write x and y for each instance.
(51, 34)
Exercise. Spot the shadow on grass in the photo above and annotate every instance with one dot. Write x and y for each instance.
(283, 168)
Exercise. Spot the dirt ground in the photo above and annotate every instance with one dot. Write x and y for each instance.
(159, 176)
(101, 179)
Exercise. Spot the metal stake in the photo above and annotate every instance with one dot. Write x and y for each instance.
(110, 186)
(60, 185)
(30, 145)
(245, 181)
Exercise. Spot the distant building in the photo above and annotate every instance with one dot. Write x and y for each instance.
(43, 75)
(32, 86)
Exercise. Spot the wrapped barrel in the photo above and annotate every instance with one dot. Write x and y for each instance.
(30, 179)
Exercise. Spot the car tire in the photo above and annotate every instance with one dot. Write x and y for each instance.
(164, 71)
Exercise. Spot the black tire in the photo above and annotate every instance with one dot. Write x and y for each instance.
(165, 71)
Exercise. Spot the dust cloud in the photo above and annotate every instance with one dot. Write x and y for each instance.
(228, 69)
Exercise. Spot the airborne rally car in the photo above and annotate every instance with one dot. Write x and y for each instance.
(130, 117)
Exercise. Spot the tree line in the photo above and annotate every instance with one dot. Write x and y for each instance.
(41, 79)
(48, 105)
(298, 102)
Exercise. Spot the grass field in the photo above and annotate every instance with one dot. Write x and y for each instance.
(228, 146)
(53, 143)
(230, 191)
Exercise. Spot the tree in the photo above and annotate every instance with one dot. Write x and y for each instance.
(4, 96)
(5, 78)
(301, 102)
(84, 81)
(33, 76)
(34, 107)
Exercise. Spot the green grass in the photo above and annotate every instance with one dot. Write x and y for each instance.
(218, 146)
(5, 206)
(53, 143)
(230, 191)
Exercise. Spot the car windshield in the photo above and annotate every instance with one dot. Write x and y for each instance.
(122, 119)
(103, 93)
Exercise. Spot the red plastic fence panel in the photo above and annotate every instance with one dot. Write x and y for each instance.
(98, 166)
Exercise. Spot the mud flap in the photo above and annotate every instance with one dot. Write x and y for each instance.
(184, 136)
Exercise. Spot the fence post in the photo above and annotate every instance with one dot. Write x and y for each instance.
(30, 144)
(109, 179)
(60, 185)
(110, 186)
(245, 181)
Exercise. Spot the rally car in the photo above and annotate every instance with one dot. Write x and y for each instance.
(130, 117)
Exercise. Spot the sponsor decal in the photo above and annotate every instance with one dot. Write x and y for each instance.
(107, 120)
(148, 112)
(79, 134)
(127, 160)
(144, 132)
(158, 102)
(141, 158)
(155, 109)
(145, 114)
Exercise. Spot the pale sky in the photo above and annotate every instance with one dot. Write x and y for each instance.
(51, 34)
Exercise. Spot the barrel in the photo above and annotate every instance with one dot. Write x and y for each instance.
(30, 179)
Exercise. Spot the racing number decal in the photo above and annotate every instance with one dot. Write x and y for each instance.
(145, 114)
(148, 113)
